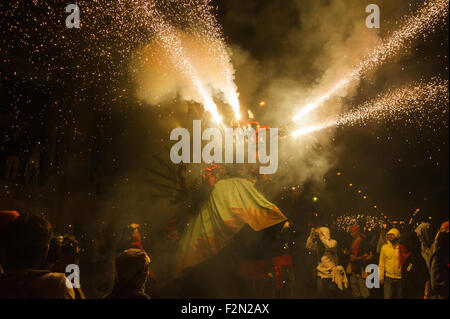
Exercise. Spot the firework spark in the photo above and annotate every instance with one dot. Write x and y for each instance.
(167, 37)
(197, 19)
(110, 32)
(424, 21)
(414, 102)
(367, 223)
(204, 24)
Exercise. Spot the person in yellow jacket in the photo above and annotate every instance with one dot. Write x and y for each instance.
(389, 266)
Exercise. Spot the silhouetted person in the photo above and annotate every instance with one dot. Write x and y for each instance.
(132, 271)
(414, 269)
(440, 263)
(426, 236)
(27, 241)
(65, 251)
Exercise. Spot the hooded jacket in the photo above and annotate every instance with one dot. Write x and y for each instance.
(439, 268)
(425, 232)
(389, 265)
(329, 259)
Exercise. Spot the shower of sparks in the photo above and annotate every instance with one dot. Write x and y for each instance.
(424, 21)
(415, 103)
(195, 16)
(367, 223)
(204, 23)
(166, 35)
(99, 52)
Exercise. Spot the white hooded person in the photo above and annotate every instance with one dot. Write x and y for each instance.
(330, 276)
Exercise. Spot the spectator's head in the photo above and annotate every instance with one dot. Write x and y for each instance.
(132, 267)
(64, 250)
(425, 233)
(27, 241)
(355, 232)
(393, 235)
(442, 237)
(411, 241)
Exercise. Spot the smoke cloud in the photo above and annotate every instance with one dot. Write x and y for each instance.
(158, 80)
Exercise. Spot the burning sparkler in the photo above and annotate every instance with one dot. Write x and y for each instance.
(410, 101)
(167, 36)
(204, 23)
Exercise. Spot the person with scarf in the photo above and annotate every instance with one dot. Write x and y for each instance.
(330, 276)
(360, 253)
(413, 268)
(389, 268)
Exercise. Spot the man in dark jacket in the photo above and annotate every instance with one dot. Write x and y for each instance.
(360, 253)
(26, 245)
(413, 266)
(439, 263)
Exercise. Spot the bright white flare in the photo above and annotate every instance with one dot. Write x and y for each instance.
(412, 103)
(425, 20)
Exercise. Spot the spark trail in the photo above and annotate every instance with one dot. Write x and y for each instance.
(166, 35)
(203, 23)
(423, 22)
(414, 103)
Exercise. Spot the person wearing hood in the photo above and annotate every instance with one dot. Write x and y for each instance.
(389, 267)
(133, 268)
(426, 236)
(330, 276)
(439, 264)
(414, 270)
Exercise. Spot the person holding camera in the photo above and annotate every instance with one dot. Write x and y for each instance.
(330, 276)
(26, 245)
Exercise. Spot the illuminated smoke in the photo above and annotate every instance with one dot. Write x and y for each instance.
(204, 24)
(206, 69)
(412, 103)
(167, 37)
(423, 22)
